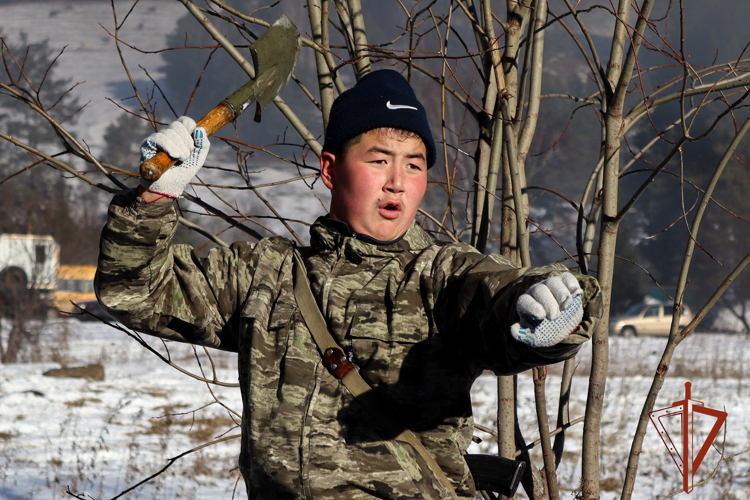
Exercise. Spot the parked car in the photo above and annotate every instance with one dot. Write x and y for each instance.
(648, 319)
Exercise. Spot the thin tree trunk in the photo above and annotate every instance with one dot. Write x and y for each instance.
(548, 455)
(486, 154)
(491, 185)
(563, 409)
(518, 13)
(506, 439)
(508, 237)
(518, 183)
(361, 48)
(591, 220)
(443, 112)
(536, 34)
(600, 341)
(608, 242)
(342, 9)
(617, 50)
(506, 419)
(325, 79)
(533, 483)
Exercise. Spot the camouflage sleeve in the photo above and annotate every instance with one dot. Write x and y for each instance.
(161, 289)
(475, 297)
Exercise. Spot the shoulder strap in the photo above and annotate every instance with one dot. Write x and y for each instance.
(337, 362)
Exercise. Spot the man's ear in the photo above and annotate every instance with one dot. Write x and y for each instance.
(327, 162)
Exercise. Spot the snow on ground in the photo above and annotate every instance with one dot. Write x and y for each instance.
(101, 437)
(714, 364)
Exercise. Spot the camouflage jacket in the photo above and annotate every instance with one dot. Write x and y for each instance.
(421, 320)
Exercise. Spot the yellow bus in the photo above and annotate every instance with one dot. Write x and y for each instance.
(74, 284)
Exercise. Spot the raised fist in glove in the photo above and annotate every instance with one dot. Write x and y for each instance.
(182, 141)
(549, 311)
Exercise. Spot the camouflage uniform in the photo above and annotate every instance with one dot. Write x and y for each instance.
(421, 320)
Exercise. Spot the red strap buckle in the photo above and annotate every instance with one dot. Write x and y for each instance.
(337, 362)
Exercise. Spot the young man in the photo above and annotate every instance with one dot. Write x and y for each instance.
(420, 321)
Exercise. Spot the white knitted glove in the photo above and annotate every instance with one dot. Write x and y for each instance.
(549, 311)
(184, 142)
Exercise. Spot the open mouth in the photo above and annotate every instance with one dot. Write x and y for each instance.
(390, 209)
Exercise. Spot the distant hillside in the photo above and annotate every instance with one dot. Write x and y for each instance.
(90, 56)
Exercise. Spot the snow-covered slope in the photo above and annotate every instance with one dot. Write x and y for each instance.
(91, 58)
(90, 55)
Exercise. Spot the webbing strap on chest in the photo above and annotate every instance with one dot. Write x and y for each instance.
(337, 362)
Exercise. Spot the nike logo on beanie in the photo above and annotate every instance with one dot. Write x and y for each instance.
(399, 106)
(374, 103)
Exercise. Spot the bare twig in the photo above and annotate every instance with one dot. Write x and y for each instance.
(170, 463)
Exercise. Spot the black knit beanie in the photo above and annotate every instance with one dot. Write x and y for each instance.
(382, 98)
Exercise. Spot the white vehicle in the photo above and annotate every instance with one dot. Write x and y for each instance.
(28, 262)
(648, 319)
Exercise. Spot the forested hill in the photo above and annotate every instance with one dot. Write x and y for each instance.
(565, 148)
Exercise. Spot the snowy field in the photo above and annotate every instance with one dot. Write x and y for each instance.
(100, 437)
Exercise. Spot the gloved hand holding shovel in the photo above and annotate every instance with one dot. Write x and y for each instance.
(178, 152)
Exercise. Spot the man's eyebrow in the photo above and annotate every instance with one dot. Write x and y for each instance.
(378, 149)
(382, 150)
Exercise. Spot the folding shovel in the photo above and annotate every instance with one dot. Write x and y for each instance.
(274, 56)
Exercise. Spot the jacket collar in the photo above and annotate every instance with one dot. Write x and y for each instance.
(330, 234)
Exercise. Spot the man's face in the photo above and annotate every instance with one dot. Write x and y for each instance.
(378, 184)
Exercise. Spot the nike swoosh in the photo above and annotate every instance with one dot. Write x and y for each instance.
(399, 106)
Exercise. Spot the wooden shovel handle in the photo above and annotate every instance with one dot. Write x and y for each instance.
(153, 168)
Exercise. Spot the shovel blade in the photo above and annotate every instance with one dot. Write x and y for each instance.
(275, 54)
(278, 49)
